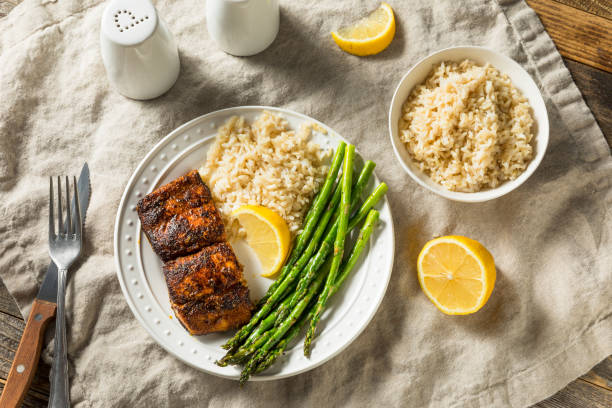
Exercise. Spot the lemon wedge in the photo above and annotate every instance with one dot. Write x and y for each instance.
(457, 274)
(267, 234)
(370, 35)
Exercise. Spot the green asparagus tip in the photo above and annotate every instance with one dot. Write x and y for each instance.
(221, 363)
(244, 377)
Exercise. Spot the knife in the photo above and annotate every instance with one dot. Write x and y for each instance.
(43, 310)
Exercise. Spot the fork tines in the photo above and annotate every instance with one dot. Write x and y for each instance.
(70, 226)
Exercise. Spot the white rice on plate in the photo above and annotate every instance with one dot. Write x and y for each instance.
(467, 127)
(264, 163)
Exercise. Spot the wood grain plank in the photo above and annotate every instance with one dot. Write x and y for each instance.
(579, 394)
(579, 36)
(596, 88)
(7, 303)
(601, 8)
(32, 399)
(601, 375)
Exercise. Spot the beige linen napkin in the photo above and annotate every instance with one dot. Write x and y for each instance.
(548, 320)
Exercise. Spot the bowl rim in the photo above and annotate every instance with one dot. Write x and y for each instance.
(485, 195)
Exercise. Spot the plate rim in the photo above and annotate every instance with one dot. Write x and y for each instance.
(128, 298)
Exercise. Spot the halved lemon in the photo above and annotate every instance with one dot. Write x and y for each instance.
(370, 35)
(267, 234)
(456, 273)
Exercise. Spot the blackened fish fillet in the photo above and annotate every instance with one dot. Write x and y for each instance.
(180, 217)
(207, 290)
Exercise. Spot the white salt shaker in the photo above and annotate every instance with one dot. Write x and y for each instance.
(139, 52)
(242, 27)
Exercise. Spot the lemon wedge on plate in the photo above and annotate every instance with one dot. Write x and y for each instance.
(370, 35)
(267, 234)
(457, 274)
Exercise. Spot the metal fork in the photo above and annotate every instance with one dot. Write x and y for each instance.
(64, 248)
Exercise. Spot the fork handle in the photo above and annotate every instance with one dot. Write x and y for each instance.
(59, 396)
(26, 359)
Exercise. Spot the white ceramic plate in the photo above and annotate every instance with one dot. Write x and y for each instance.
(521, 80)
(140, 274)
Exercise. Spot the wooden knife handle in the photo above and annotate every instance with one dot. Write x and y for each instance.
(26, 359)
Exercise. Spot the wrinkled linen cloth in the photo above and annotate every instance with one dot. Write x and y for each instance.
(548, 320)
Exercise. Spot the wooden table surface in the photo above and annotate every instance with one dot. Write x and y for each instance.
(582, 31)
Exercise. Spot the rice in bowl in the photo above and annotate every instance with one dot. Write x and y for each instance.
(467, 127)
(264, 163)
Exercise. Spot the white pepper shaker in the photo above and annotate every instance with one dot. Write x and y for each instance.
(242, 27)
(138, 50)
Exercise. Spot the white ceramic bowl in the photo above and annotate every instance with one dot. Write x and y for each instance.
(520, 78)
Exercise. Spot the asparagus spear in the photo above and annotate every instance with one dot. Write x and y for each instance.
(310, 220)
(280, 313)
(273, 294)
(326, 245)
(280, 331)
(362, 181)
(314, 242)
(243, 353)
(265, 324)
(234, 355)
(325, 248)
(286, 267)
(255, 340)
(280, 289)
(271, 357)
(343, 220)
(362, 240)
(314, 263)
(367, 205)
(322, 199)
(347, 267)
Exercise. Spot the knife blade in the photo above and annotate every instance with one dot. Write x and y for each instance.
(48, 289)
(43, 311)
